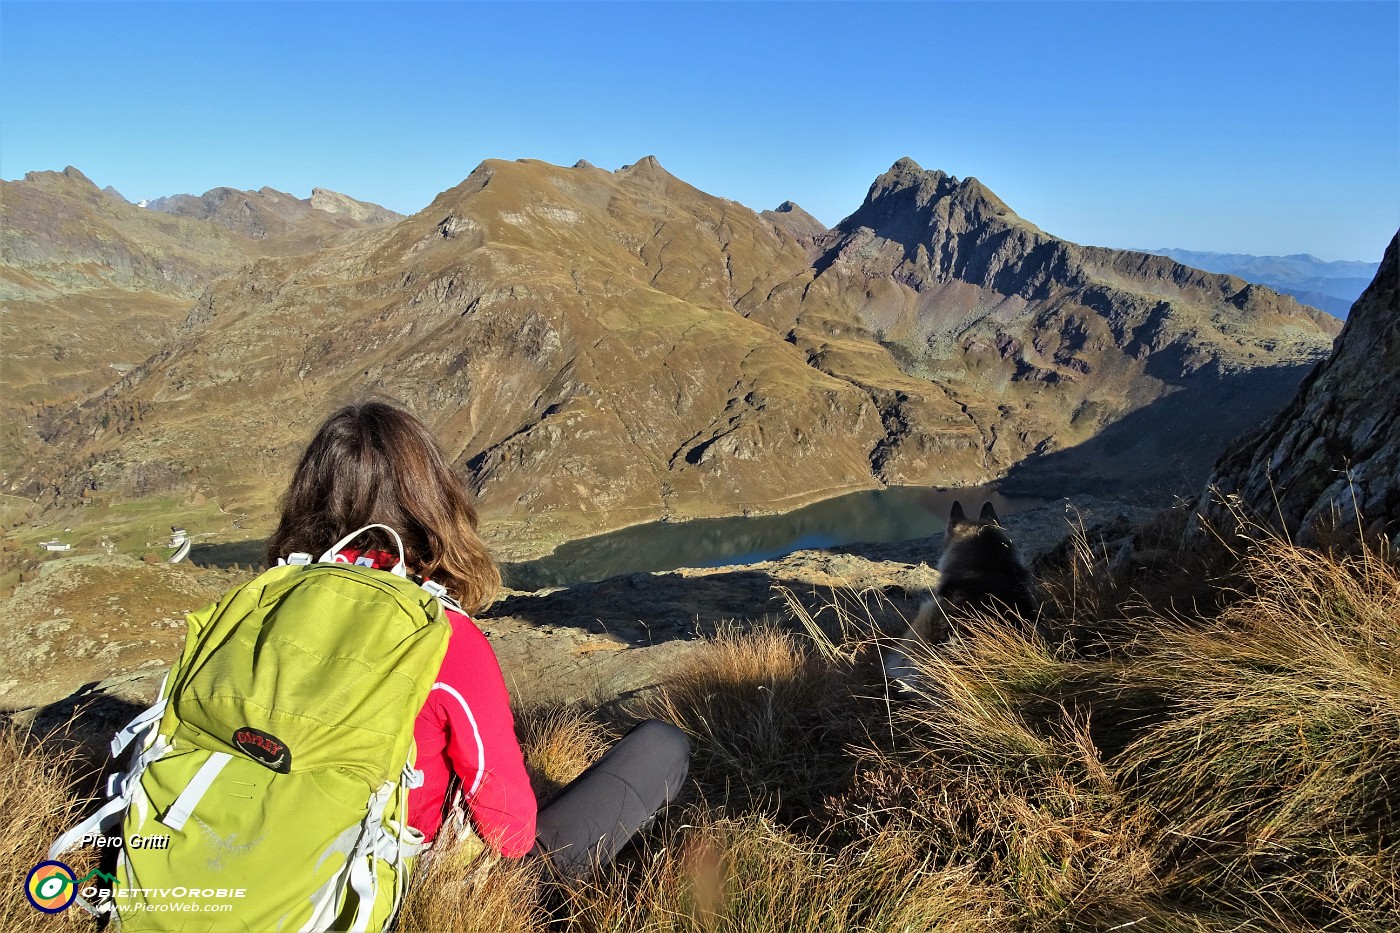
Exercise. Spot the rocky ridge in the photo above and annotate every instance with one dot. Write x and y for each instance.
(365, 213)
(268, 212)
(1328, 465)
(989, 317)
(1331, 286)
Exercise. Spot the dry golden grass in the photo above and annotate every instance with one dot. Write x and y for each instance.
(457, 888)
(740, 874)
(768, 721)
(38, 802)
(1231, 770)
(999, 783)
(559, 742)
(1277, 778)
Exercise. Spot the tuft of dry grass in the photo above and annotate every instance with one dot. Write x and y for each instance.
(999, 782)
(38, 802)
(748, 874)
(559, 741)
(768, 721)
(1276, 780)
(457, 887)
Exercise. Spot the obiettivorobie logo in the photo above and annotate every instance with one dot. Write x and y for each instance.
(52, 886)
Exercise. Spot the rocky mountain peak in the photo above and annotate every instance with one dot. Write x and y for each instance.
(792, 218)
(72, 173)
(969, 296)
(363, 212)
(906, 180)
(909, 205)
(905, 173)
(907, 185)
(275, 195)
(645, 163)
(648, 169)
(69, 174)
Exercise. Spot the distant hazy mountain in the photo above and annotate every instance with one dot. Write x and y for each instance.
(269, 212)
(1331, 286)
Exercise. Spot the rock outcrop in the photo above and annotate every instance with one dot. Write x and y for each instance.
(364, 213)
(1327, 467)
(792, 218)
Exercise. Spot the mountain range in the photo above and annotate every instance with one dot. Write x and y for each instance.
(92, 284)
(268, 212)
(1331, 286)
(598, 348)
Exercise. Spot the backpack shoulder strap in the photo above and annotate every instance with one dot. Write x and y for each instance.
(400, 569)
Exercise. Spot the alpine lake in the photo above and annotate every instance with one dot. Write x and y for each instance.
(899, 513)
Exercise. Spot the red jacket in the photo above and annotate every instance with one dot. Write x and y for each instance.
(466, 729)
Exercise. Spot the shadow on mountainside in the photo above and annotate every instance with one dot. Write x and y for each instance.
(619, 636)
(1165, 449)
(642, 609)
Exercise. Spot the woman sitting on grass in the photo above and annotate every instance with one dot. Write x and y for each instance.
(374, 463)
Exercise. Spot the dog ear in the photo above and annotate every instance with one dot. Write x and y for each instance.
(956, 516)
(989, 514)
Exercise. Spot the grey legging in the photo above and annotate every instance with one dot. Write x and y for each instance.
(605, 806)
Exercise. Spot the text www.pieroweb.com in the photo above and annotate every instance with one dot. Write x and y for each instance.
(179, 900)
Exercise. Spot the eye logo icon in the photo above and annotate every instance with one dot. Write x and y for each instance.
(51, 887)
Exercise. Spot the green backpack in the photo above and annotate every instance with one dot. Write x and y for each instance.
(268, 785)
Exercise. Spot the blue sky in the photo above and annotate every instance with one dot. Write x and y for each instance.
(1267, 128)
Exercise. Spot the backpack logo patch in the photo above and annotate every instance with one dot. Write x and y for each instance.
(265, 749)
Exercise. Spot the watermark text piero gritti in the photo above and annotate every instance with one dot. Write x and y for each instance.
(135, 841)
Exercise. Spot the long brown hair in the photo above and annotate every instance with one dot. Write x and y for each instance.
(375, 463)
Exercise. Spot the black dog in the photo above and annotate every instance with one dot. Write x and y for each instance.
(980, 571)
